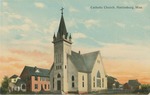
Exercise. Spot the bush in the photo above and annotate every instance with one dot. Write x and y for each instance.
(5, 85)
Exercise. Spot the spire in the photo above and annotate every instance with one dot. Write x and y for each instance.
(62, 34)
(62, 31)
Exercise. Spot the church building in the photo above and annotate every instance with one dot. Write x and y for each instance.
(73, 72)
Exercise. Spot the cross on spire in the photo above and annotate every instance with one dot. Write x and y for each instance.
(62, 10)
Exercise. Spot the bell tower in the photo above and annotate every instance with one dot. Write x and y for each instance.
(62, 47)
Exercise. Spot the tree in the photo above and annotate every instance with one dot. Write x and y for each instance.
(145, 88)
(110, 81)
(5, 85)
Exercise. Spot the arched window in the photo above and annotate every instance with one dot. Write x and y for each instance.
(58, 76)
(72, 78)
(82, 84)
(102, 82)
(98, 74)
(82, 77)
(82, 80)
(72, 84)
(98, 79)
(94, 81)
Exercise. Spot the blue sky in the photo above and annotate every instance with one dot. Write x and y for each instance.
(121, 34)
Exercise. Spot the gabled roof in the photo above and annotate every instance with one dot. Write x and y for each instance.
(133, 83)
(14, 76)
(34, 71)
(19, 81)
(83, 62)
(90, 59)
(78, 61)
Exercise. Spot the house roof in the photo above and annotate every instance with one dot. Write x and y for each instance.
(14, 76)
(19, 81)
(34, 71)
(89, 59)
(133, 83)
(83, 62)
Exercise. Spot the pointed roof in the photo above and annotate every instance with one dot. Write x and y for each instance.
(78, 61)
(62, 34)
(133, 82)
(14, 76)
(90, 59)
(62, 28)
(35, 71)
(83, 62)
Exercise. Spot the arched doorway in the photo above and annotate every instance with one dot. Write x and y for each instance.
(23, 86)
(58, 82)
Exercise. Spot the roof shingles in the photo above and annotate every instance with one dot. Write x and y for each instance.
(83, 62)
(32, 71)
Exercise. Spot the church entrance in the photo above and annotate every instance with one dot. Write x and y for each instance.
(59, 85)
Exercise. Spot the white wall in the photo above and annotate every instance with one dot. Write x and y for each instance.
(98, 66)
(66, 51)
(72, 71)
(14, 80)
(82, 89)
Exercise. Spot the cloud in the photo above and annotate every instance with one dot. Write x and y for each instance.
(120, 24)
(39, 5)
(87, 8)
(23, 27)
(146, 27)
(125, 51)
(78, 35)
(128, 2)
(91, 22)
(34, 53)
(72, 9)
(36, 57)
(5, 4)
(15, 16)
(53, 26)
(71, 23)
(26, 24)
(128, 69)
(8, 59)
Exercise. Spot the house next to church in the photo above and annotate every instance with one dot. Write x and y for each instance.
(73, 72)
(36, 79)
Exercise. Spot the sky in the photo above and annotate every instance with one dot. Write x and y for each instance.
(121, 34)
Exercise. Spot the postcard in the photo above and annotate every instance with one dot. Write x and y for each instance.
(75, 46)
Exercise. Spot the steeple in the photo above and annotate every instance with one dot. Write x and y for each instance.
(62, 27)
(62, 33)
